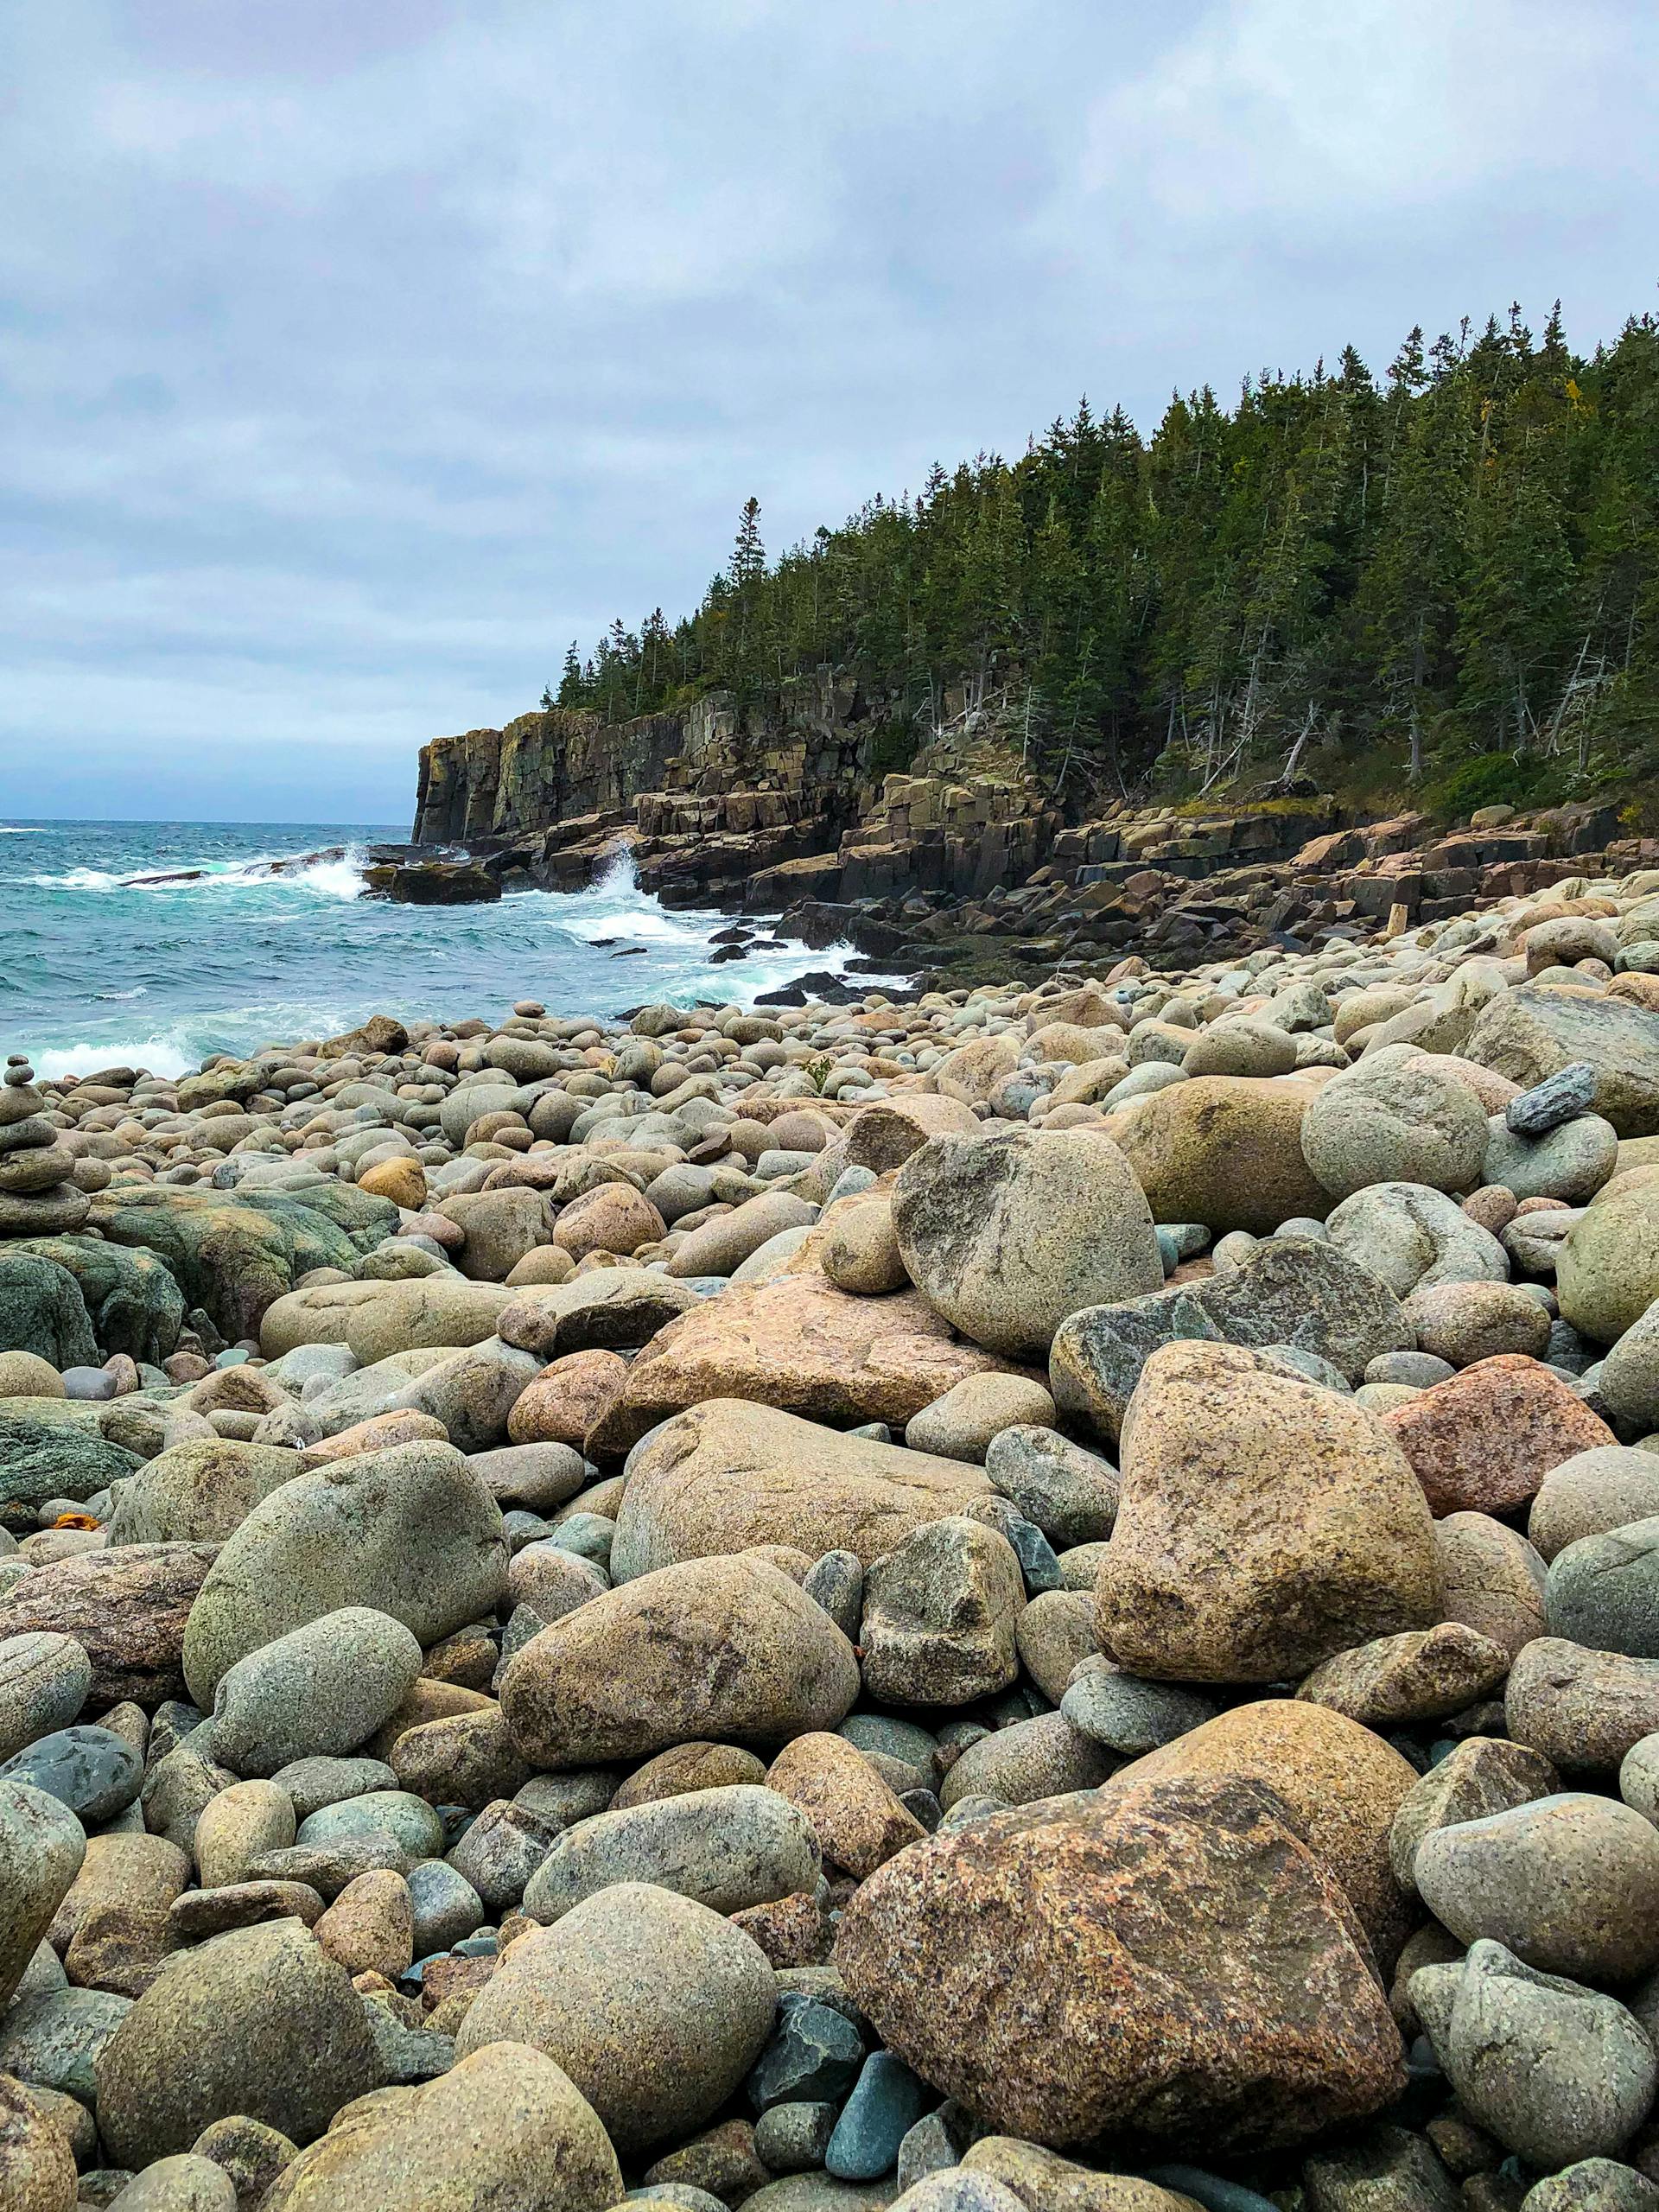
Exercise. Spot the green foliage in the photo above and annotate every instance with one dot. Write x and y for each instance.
(1452, 576)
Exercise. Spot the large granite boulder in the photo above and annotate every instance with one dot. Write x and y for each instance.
(1263, 1524)
(1170, 1961)
(1531, 1031)
(728, 1474)
(1007, 1234)
(798, 1344)
(1226, 1150)
(135, 1303)
(41, 1309)
(411, 1531)
(722, 1650)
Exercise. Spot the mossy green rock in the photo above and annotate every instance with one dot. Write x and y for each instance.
(135, 1305)
(42, 1458)
(41, 1309)
(234, 1256)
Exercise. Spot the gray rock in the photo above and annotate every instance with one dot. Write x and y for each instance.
(411, 1823)
(1603, 1591)
(1386, 2169)
(1045, 1757)
(1571, 1161)
(1569, 1883)
(793, 2137)
(1124, 1713)
(729, 1847)
(1414, 1239)
(316, 1781)
(472, 1394)
(54, 2040)
(260, 2021)
(1629, 1373)
(837, 1583)
(941, 1611)
(1608, 1487)
(184, 2183)
(537, 1476)
(1558, 1098)
(1418, 1371)
(197, 1491)
(654, 2006)
(502, 1849)
(44, 1679)
(1008, 1235)
(1288, 1291)
(1394, 1117)
(319, 1691)
(1070, 1494)
(813, 2055)
(886, 2101)
(1555, 2071)
(1534, 1031)
(93, 1771)
(410, 1532)
(445, 1905)
(1593, 2185)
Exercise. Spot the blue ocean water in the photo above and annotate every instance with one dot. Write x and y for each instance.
(97, 966)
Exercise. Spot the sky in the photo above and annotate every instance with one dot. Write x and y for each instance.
(354, 359)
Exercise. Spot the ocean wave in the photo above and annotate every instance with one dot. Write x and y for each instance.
(328, 876)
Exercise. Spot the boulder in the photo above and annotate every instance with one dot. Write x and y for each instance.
(411, 1532)
(1607, 1269)
(722, 1648)
(126, 1607)
(728, 1474)
(1225, 1151)
(1344, 1785)
(41, 1309)
(799, 1345)
(940, 1615)
(1264, 1524)
(1415, 1238)
(1169, 1959)
(503, 2127)
(654, 2006)
(1531, 1031)
(257, 2021)
(1483, 1441)
(1008, 1235)
(1398, 1117)
(1297, 1291)
(731, 1848)
(197, 1493)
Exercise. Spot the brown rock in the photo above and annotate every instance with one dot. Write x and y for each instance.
(1422, 1675)
(798, 1344)
(1343, 1785)
(567, 1398)
(402, 1180)
(37, 2158)
(1043, 2182)
(1226, 1150)
(1494, 1580)
(1483, 1440)
(1168, 1959)
(720, 1647)
(614, 1217)
(369, 1927)
(857, 1819)
(505, 2127)
(378, 1433)
(464, 1759)
(792, 1931)
(146, 1871)
(1264, 1524)
(728, 1474)
(1582, 1709)
(687, 1767)
(126, 1607)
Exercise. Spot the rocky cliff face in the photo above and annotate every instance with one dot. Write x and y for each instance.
(541, 770)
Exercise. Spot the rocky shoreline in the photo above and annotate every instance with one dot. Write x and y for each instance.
(1043, 1597)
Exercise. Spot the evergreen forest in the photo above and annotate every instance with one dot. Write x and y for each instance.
(1445, 580)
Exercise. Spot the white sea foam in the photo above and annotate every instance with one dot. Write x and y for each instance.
(330, 878)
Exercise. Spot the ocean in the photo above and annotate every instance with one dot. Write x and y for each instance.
(97, 967)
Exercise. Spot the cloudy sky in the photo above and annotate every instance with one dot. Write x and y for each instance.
(356, 357)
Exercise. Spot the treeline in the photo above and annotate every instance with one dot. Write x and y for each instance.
(1451, 575)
